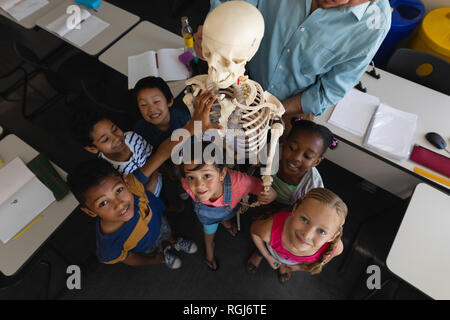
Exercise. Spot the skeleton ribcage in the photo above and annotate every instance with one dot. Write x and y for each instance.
(250, 118)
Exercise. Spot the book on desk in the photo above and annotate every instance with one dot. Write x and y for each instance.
(162, 63)
(22, 198)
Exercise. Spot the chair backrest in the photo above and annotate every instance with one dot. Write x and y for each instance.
(10, 62)
(28, 55)
(421, 67)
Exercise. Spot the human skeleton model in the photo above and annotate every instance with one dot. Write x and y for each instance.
(232, 33)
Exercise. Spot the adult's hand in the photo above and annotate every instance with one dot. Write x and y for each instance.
(293, 105)
(293, 108)
(198, 36)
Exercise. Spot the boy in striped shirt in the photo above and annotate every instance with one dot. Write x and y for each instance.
(126, 151)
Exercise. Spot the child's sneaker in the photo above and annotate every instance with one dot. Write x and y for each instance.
(185, 245)
(170, 259)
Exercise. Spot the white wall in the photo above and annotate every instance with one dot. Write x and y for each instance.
(434, 4)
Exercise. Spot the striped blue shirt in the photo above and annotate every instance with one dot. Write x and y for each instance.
(321, 55)
(141, 151)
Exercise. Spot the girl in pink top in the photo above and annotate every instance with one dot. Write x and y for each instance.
(304, 240)
(216, 192)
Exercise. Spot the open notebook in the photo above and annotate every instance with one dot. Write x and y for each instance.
(22, 197)
(163, 63)
(79, 34)
(20, 9)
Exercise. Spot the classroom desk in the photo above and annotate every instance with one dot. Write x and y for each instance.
(119, 22)
(420, 253)
(15, 253)
(144, 37)
(397, 177)
(30, 21)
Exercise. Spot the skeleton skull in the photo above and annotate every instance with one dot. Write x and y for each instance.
(225, 52)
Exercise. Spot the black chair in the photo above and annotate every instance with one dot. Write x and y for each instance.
(10, 64)
(376, 233)
(65, 79)
(406, 62)
(109, 93)
(371, 246)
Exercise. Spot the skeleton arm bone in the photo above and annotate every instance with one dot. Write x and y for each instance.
(276, 132)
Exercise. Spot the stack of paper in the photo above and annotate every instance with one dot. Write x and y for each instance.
(20, 9)
(354, 111)
(22, 197)
(78, 32)
(391, 132)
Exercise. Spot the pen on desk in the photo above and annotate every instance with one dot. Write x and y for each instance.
(27, 227)
(432, 176)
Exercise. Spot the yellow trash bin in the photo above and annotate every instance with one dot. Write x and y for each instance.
(434, 34)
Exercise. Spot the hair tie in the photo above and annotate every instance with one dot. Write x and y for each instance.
(298, 119)
(334, 143)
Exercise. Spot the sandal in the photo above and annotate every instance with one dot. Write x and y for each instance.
(284, 277)
(231, 228)
(211, 263)
(251, 268)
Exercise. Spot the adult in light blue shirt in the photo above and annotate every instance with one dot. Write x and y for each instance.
(314, 51)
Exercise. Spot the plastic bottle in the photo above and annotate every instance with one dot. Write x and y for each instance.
(188, 35)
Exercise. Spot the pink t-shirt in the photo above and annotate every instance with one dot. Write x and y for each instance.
(276, 242)
(242, 184)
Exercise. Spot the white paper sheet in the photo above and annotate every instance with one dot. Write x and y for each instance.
(141, 66)
(354, 111)
(22, 8)
(170, 67)
(60, 27)
(89, 29)
(391, 132)
(8, 4)
(13, 176)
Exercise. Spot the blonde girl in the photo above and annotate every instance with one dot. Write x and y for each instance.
(304, 240)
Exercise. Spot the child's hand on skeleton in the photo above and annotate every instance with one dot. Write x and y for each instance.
(202, 107)
(266, 197)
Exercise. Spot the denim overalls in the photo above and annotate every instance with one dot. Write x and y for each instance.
(211, 215)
